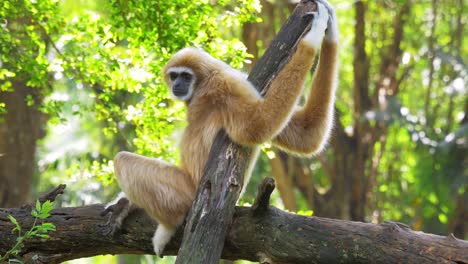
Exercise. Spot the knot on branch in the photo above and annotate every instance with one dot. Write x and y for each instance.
(395, 226)
(453, 240)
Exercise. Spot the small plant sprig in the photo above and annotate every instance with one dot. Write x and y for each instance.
(41, 212)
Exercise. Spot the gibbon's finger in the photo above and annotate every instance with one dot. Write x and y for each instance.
(327, 5)
(116, 208)
(109, 229)
(321, 8)
(110, 226)
(310, 14)
(107, 210)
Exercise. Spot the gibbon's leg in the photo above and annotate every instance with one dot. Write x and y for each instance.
(251, 121)
(248, 172)
(163, 190)
(309, 128)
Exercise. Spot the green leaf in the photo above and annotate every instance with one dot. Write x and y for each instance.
(305, 213)
(43, 215)
(443, 218)
(34, 213)
(15, 261)
(46, 227)
(14, 221)
(38, 206)
(47, 206)
(29, 100)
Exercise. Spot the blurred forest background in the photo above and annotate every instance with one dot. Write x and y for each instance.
(80, 81)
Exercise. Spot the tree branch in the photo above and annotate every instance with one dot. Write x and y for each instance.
(273, 236)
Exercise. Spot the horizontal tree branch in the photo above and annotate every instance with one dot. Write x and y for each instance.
(272, 236)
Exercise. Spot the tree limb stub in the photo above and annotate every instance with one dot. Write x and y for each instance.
(53, 194)
(262, 201)
(273, 236)
(214, 206)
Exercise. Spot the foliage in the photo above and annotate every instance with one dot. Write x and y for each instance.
(40, 212)
(419, 177)
(25, 27)
(418, 174)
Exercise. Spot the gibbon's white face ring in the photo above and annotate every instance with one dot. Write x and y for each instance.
(183, 79)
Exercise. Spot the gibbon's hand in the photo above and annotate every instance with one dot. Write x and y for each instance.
(331, 34)
(319, 24)
(118, 211)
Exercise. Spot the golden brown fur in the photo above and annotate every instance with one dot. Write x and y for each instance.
(223, 98)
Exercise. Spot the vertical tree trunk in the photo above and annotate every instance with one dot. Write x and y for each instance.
(361, 105)
(22, 125)
(459, 152)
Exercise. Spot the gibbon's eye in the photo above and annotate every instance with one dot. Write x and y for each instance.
(173, 75)
(186, 76)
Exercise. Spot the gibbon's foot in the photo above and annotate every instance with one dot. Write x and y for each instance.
(118, 211)
(161, 237)
(319, 24)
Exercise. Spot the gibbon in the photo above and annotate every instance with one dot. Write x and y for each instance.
(220, 97)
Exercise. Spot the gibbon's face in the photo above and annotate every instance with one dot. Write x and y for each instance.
(181, 81)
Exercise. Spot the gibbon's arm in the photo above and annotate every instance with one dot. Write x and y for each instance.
(309, 129)
(251, 120)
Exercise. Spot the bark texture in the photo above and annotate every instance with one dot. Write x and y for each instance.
(21, 127)
(258, 233)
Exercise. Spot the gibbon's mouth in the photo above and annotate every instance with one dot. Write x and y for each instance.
(182, 94)
(179, 92)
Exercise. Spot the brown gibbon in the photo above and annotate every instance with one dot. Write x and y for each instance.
(220, 97)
